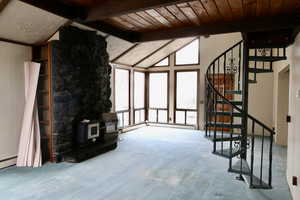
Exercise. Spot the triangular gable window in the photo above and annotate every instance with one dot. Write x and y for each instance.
(162, 63)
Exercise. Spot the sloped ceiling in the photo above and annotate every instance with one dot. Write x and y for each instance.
(24, 23)
(117, 46)
(141, 51)
(164, 52)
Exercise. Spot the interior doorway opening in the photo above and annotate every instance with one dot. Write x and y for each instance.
(281, 124)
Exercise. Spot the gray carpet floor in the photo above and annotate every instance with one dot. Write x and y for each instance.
(151, 163)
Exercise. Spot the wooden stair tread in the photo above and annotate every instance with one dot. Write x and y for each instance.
(238, 103)
(227, 113)
(253, 70)
(224, 125)
(225, 137)
(233, 92)
(267, 58)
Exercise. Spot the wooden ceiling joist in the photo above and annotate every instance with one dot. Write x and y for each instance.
(253, 25)
(57, 7)
(116, 8)
(111, 30)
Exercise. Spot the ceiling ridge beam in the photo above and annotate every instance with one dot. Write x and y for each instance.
(152, 53)
(129, 36)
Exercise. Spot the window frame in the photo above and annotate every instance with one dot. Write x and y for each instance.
(168, 98)
(175, 59)
(145, 97)
(197, 99)
(116, 67)
(168, 57)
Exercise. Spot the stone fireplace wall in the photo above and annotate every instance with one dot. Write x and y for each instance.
(80, 84)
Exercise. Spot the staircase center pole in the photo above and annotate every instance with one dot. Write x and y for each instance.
(245, 95)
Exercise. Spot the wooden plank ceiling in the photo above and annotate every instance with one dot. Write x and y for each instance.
(145, 20)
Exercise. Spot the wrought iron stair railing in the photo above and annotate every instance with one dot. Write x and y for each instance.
(249, 147)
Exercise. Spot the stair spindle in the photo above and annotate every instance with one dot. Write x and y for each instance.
(270, 158)
(231, 133)
(262, 155)
(255, 64)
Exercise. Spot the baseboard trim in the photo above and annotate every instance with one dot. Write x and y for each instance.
(7, 159)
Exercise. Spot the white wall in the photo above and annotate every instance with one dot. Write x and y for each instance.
(260, 101)
(12, 58)
(293, 161)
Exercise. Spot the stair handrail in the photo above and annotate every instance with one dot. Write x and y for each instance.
(224, 98)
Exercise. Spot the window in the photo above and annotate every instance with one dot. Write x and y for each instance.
(162, 63)
(139, 97)
(122, 96)
(188, 55)
(158, 97)
(186, 86)
(186, 97)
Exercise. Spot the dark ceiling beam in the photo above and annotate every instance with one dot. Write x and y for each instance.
(15, 42)
(113, 8)
(79, 15)
(59, 8)
(253, 25)
(3, 4)
(112, 30)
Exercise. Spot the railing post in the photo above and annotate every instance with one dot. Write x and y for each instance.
(262, 156)
(271, 159)
(206, 94)
(245, 100)
(252, 154)
(231, 132)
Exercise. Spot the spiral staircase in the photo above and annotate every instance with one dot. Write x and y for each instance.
(236, 135)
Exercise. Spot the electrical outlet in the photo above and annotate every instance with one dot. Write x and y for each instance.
(298, 93)
(295, 180)
(288, 118)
